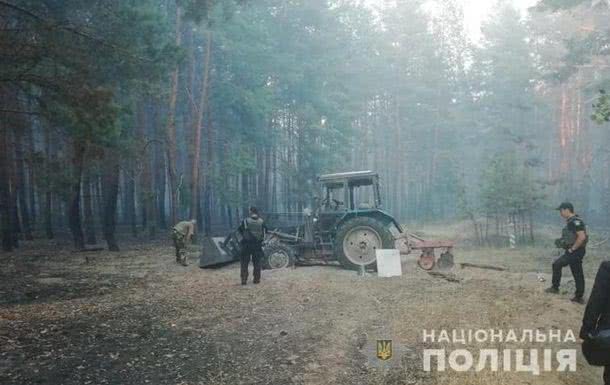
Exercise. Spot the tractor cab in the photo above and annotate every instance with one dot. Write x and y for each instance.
(349, 191)
(345, 195)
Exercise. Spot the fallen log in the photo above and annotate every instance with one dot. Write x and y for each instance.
(478, 266)
(447, 277)
(88, 250)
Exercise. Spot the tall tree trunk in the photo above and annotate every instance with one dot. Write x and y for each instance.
(48, 200)
(197, 127)
(209, 166)
(130, 201)
(171, 129)
(14, 207)
(20, 185)
(31, 175)
(230, 216)
(88, 209)
(74, 219)
(5, 194)
(99, 197)
(207, 210)
(274, 169)
(110, 192)
(48, 218)
(160, 170)
(147, 191)
(267, 174)
(531, 226)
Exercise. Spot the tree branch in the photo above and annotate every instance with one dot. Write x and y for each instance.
(75, 31)
(19, 112)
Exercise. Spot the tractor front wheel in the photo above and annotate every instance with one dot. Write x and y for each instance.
(358, 239)
(278, 256)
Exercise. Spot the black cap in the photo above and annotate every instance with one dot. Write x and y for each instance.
(566, 205)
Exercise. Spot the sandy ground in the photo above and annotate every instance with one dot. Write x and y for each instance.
(136, 317)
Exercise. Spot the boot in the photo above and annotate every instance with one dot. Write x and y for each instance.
(552, 290)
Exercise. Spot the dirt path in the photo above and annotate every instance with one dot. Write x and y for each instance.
(138, 318)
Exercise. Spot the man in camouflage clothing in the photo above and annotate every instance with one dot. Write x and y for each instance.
(573, 240)
(182, 233)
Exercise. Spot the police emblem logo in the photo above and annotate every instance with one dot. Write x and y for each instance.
(384, 349)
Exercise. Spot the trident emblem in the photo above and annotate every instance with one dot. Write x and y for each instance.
(384, 349)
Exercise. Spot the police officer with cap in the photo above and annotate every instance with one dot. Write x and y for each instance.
(573, 240)
(252, 230)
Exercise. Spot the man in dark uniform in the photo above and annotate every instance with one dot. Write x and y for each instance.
(597, 312)
(252, 230)
(573, 240)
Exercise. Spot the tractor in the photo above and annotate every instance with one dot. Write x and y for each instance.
(346, 225)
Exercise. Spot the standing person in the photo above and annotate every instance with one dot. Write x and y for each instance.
(182, 233)
(597, 312)
(253, 231)
(573, 240)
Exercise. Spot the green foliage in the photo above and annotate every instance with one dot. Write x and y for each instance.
(504, 70)
(76, 56)
(602, 108)
(55, 178)
(309, 86)
(555, 5)
(507, 186)
(582, 50)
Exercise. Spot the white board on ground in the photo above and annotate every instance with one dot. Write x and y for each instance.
(388, 263)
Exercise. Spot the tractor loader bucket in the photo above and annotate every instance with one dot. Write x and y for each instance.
(213, 252)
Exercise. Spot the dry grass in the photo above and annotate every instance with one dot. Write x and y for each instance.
(315, 325)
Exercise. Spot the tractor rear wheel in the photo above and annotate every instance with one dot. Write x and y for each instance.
(358, 239)
(278, 256)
